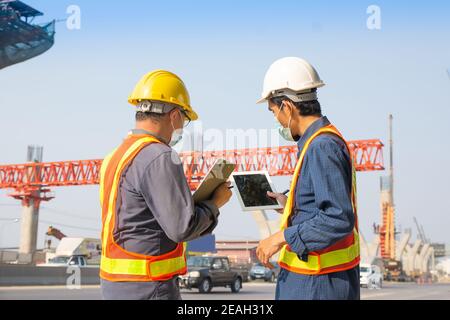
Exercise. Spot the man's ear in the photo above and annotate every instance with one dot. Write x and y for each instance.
(173, 114)
(289, 105)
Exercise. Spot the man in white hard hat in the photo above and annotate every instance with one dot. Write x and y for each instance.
(318, 241)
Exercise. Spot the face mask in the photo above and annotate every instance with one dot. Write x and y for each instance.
(177, 135)
(285, 132)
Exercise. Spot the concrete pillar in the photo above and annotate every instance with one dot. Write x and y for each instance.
(366, 257)
(421, 258)
(29, 227)
(428, 260)
(30, 204)
(400, 250)
(266, 227)
(374, 247)
(433, 260)
(412, 253)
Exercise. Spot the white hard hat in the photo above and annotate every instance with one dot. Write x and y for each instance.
(292, 77)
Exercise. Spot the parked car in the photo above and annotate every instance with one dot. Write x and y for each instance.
(259, 271)
(206, 272)
(370, 276)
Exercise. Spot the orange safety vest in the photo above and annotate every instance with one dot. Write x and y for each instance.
(342, 255)
(118, 264)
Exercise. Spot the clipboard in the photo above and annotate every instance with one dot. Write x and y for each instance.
(218, 174)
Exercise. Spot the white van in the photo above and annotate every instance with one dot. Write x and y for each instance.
(370, 276)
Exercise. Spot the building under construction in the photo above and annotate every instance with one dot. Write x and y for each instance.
(21, 39)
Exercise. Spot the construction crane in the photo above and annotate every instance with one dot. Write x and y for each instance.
(27, 178)
(420, 232)
(387, 229)
(32, 181)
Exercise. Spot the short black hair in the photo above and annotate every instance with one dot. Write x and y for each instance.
(305, 108)
(142, 116)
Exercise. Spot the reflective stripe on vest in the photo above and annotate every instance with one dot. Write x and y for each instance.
(118, 264)
(344, 254)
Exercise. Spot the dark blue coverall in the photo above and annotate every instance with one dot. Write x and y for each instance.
(323, 214)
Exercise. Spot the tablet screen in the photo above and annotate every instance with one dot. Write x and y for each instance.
(253, 190)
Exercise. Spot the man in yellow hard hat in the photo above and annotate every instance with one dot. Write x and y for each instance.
(147, 209)
(318, 239)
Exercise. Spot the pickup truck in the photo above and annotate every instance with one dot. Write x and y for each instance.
(206, 272)
(60, 261)
(81, 252)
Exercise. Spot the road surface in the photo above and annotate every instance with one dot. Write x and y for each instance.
(251, 291)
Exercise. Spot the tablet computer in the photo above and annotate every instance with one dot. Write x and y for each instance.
(251, 189)
(217, 174)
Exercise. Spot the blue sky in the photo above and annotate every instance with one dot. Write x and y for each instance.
(72, 99)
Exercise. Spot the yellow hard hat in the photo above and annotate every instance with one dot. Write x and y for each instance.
(164, 86)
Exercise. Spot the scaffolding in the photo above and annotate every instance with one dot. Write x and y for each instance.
(20, 39)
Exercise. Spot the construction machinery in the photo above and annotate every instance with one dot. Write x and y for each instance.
(55, 233)
(400, 260)
(387, 231)
(52, 232)
(21, 39)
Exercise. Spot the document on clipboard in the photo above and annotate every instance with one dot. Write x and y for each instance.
(218, 174)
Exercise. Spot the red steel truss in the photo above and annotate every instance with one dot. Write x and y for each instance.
(35, 178)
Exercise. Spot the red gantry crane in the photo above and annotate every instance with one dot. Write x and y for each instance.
(32, 181)
(28, 178)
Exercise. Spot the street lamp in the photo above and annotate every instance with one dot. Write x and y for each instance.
(10, 221)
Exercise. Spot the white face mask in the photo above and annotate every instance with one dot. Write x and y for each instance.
(285, 132)
(177, 134)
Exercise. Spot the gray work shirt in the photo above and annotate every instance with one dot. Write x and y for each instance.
(155, 211)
